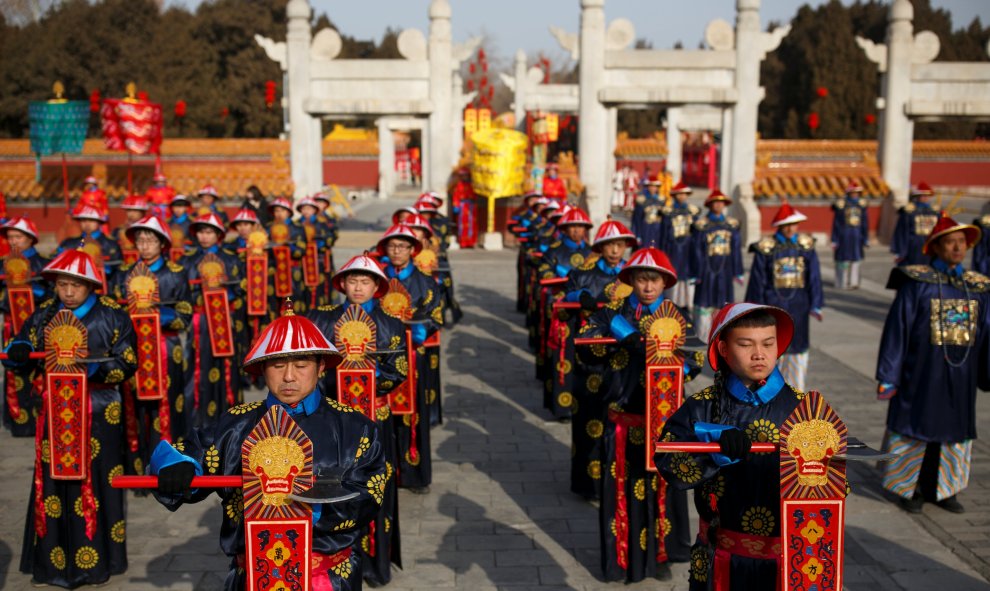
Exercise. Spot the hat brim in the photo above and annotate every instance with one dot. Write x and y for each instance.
(631, 242)
(719, 199)
(132, 232)
(417, 245)
(52, 275)
(794, 218)
(973, 235)
(256, 366)
(669, 275)
(33, 237)
(380, 290)
(785, 329)
(195, 226)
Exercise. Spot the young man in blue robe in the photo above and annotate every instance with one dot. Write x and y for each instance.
(716, 261)
(850, 236)
(914, 223)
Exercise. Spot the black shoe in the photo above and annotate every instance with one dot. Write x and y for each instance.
(912, 505)
(664, 573)
(952, 505)
(419, 490)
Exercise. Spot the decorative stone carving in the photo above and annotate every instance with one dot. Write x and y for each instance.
(925, 49)
(567, 41)
(620, 34)
(771, 41)
(326, 45)
(463, 51)
(412, 45)
(875, 52)
(720, 36)
(275, 51)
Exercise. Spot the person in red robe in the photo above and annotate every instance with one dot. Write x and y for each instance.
(553, 185)
(160, 195)
(464, 203)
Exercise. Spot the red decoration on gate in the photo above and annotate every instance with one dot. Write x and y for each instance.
(269, 93)
(94, 101)
(870, 118)
(180, 108)
(813, 121)
(822, 92)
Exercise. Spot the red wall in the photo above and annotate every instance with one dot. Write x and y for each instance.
(951, 174)
(362, 174)
(819, 217)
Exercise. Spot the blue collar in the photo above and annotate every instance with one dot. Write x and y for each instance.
(95, 235)
(367, 306)
(679, 205)
(953, 271)
(81, 311)
(650, 309)
(571, 244)
(211, 250)
(610, 271)
(155, 266)
(716, 217)
(240, 242)
(766, 391)
(784, 240)
(402, 274)
(922, 205)
(29, 252)
(307, 406)
(180, 219)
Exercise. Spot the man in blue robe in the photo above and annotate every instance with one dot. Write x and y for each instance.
(850, 235)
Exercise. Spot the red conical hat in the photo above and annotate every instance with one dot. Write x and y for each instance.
(21, 224)
(654, 179)
(306, 201)
(210, 220)
(681, 187)
(208, 189)
(289, 336)
(180, 199)
(923, 189)
(403, 232)
(152, 224)
(281, 202)
(91, 180)
(653, 259)
(85, 212)
(574, 217)
(556, 214)
(135, 202)
(550, 207)
(787, 215)
(612, 230)
(418, 221)
(73, 263)
(426, 205)
(531, 195)
(432, 196)
(362, 263)
(244, 214)
(158, 178)
(731, 312)
(407, 209)
(715, 196)
(854, 187)
(947, 225)
(321, 196)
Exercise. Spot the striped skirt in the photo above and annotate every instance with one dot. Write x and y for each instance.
(900, 476)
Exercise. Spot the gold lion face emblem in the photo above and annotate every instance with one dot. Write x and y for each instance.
(276, 461)
(665, 332)
(257, 241)
(395, 304)
(66, 339)
(142, 289)
(213, 273)
(356, 337)
(813, 443)
(17, 269)
(93, 249)
(280, 232)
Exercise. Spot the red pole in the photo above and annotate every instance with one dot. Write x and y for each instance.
(130, 174)
(712, 165)
(698, 447)
(197, 482)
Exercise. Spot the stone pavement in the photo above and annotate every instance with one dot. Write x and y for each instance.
(500, 515)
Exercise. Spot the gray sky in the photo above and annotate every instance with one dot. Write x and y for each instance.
(514, 24)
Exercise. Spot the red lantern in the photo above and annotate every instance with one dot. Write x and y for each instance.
(472, 68)
(269, 93)
(142, 96)
(813, 121)
(470, 84)
(94, 101)
(822, 92)
(224, 112)
(180, 109)
(870, 118)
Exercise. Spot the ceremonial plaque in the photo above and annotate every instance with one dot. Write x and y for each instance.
(257, 274)
(283, 271)
(178, 240)
(665, 332)
(356, 337)
(426, 261)
(398, 303)
(67, 404)
(311, 265)
(20, 298)
(277, 460)
(142, 305)
(215, 305)
(812, 496)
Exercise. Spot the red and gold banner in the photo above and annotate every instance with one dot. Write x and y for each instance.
(257, 274)
(402, 400)
(150, 376)
(283, 271)
(311, 265)
(356, 335)
(21, 303)
(665, 332)
(813, 489)
(67, 404)
(217, 311)
(277, 460)
(129, 255)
